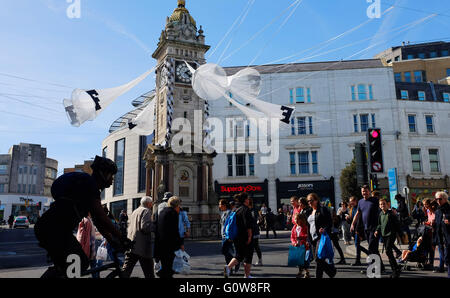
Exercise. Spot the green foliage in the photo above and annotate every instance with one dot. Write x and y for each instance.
(348, 182)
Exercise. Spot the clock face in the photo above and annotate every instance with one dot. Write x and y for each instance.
(183, 74)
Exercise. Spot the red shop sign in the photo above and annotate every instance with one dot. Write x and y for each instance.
(247, 188)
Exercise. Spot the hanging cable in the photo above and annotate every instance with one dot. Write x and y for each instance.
(32, 80)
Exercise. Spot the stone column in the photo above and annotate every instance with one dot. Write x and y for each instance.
(171, 177)
(150, 170)
(204, 183)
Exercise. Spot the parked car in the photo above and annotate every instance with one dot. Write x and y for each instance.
(22, 222)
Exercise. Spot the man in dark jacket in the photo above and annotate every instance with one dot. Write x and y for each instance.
(403, 211)
(442, 229)
(270, 223)
(168, 239)
(243, 241)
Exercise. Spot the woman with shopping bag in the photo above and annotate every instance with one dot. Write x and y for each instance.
(320, 224)
(298, 255)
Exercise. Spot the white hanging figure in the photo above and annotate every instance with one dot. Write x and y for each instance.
(211, 82)
(144, 122)
(86, 105)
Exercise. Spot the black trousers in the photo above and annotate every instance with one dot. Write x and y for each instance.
(166, 265)
(335, 239)
(59, 244)
(146, 264)
(257, 248)
(271, 228)
(389, 246)
(227, 250)
(373, 245)
(321, 265)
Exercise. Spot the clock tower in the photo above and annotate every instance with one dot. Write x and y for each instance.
(186, 175)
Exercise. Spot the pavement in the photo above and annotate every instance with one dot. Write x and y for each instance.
(206, 261)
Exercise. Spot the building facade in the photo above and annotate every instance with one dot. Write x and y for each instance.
(26, 175)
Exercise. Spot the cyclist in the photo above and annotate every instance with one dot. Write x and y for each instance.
(75, 195)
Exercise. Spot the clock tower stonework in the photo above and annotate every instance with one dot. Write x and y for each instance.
(186, 175)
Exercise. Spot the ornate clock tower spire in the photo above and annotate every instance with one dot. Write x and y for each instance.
(187, 175)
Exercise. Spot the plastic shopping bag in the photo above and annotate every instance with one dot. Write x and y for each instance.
(296, 256)
(181, 263)
(325, 250)
(102, 253)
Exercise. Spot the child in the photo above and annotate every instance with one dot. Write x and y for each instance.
(299, 237)
(388, 227)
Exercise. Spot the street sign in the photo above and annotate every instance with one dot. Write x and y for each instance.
(376, 166)
(393, 186)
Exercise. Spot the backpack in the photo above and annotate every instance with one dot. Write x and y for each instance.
(230, 227)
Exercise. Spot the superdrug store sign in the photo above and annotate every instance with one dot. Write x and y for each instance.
(238, 189)
(254, 189)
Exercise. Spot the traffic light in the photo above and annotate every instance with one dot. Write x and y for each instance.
(375, 150)
(361, 163)
(374, 181)
(39, 205)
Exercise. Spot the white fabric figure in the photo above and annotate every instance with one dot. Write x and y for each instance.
(210, 82)
(144, 123)
(88, 104)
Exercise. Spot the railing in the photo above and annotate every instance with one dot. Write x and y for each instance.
(207, 229)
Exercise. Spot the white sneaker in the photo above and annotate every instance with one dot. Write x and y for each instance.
(248, 276)
(226, 272)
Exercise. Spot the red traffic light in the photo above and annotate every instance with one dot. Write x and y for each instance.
(375, 134)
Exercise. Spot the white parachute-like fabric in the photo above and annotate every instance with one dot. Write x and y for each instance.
(86, 105)
(144, 123)
(210, 82)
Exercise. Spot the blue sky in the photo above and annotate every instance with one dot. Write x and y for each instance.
(112, 42)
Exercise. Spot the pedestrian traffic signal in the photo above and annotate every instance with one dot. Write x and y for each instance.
(375, 150)
(374, 181)
(39, 205)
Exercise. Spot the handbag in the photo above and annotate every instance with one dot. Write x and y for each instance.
(102, 253)
(296, 256)
(325, 250)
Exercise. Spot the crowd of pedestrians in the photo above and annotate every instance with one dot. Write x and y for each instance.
(370, 219)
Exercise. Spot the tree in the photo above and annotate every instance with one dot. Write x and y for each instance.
(348, 182)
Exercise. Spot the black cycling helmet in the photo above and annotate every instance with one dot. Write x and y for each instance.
(104, 165)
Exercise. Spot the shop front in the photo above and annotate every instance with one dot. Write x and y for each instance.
(257, 191)
(323, 188)
(420, 189)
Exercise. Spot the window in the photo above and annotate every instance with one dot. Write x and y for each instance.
(446, 97)
(144, 141)
(444, 53)
(408, 77)
(410, 56)
(300, 95)
(355, 123)
(230, 165)
(404, 94)
(2, 188)
(412, 123)
(398, 76)
(3, 169)
(240, 165)
(419, 76)
(293, 126)
(416, 160)
(308, 92)
(370, 92)
(310, 126)
(293, 165)
(303, 162)
(117, 207)
(434, 160)
(364, 118)
(301, 123)
(120, 162)
(239, 128)
(374, 124)
(421, 95)
(448, 72)
(306, 161)
(251, 164)
(362, 95)
(353, 93)
(433, 54)
(397, 58)
(315, 163)
(429, 122)
(421, 55)
(291, 96)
